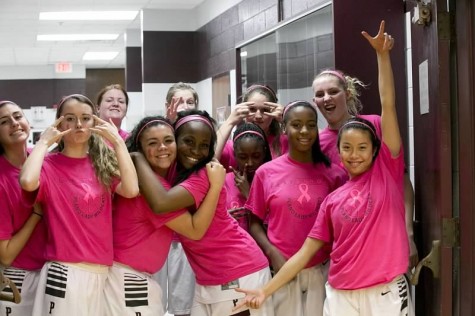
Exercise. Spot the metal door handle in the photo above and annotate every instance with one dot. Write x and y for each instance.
(15, 296)
(431, 261)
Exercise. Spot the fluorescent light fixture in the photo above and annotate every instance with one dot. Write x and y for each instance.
(100, 55)
(77, 37)
(88, 15)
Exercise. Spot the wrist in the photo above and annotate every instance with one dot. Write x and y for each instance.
(215, 187)
(43, 143)
(37, 214)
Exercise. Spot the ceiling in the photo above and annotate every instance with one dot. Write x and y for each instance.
(19, 26)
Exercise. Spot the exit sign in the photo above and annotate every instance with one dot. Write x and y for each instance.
(63, 68)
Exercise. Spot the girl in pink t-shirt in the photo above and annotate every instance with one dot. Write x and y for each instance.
(260, 107)
(22, 231)
(336, 96)
(178, 296)
(112, 104)
(226, 257)
(141, 238)
(287, 192)
(364, 219)
(74, 186)
(251, 150)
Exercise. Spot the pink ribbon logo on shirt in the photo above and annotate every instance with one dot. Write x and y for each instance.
(355, 195)
(88, 190)
(304, 190)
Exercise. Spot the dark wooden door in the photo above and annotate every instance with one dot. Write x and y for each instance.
(436, 157)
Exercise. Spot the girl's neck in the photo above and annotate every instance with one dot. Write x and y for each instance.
(161, 172)
(339, 124)
(76, 151)
(303, 157)
(16, 155)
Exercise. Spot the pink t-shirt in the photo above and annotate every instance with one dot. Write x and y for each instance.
(226, 252)
(15, 209)
(227, 156)
(235, 200)
(329, 138)
(141, 239)
(124, 134)
(365, 222)
(77, 209)
(288, 194)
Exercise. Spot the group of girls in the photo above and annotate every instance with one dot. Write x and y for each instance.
(78, 218)
(364, 220)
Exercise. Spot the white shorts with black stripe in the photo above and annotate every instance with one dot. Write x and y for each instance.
(220, 300)
(390, 299)
(26, 282)
(72, 289)
(129, 292)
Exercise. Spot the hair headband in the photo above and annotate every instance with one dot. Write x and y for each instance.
(6, 101)
(77, 95)
(360, 123)
(335, 73)
(290, 105)
(150, 122)
(248, 132)
(192, 117)
(255, 86)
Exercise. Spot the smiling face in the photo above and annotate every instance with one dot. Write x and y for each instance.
(356, 151)
(249, 153)
(302, 132)
(113, 106)
(78, 117)
(14, 127)
(193, 143)
(330, 98)
(159, 147)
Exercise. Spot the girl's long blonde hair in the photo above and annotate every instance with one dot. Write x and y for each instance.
(102, 156)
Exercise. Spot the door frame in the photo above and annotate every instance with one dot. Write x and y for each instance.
(465, 30)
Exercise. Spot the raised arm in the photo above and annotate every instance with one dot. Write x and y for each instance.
(194, 226)
(30, 172)
(382, 44)
(238, 114)
(255, 298)
(159, 199)
(128, 186)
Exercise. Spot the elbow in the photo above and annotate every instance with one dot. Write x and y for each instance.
(195, 235)
(28, 184)
(5, 261)
(132, 192)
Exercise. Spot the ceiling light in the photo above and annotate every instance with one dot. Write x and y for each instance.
(77, 37)
(100, 55)
(88, 15)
